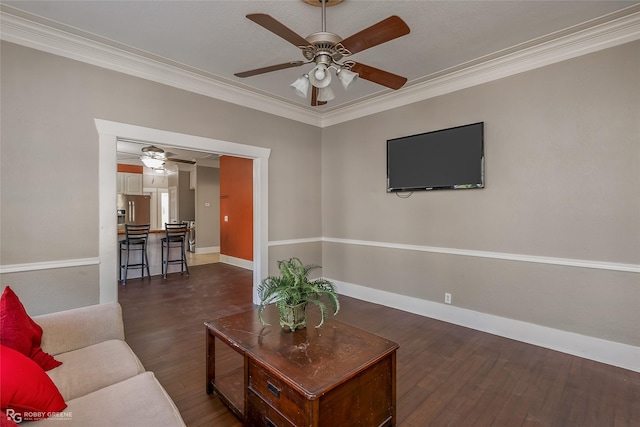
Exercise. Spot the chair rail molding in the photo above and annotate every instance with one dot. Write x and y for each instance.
(567, 262)
(48, 265)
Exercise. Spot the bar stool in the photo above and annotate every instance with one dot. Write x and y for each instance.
(136, 237)
(175, 237)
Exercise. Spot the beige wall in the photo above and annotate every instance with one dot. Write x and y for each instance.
(207, 217)
(562, 147)
(562, 167)
(186, 198)
(49, 163)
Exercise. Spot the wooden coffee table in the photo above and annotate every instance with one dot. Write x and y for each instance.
(328, 376)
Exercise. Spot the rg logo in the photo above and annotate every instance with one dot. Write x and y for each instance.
(12, 415)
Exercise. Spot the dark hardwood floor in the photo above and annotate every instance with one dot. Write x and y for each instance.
(447, 375)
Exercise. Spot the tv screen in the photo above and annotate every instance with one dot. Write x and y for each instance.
(444, 159)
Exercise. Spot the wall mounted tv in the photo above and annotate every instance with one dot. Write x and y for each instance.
(444, 159)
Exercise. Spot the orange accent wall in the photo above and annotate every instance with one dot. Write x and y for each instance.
(129, 168)
(236, 203)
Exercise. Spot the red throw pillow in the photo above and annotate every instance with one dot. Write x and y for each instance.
(26, 391)
(19, 332)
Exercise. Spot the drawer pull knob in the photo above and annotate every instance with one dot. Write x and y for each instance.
(273, 390)
(270, 423)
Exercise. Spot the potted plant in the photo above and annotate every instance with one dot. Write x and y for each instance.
(291, 292)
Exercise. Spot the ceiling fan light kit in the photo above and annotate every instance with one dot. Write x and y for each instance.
(320, 76)
(151, 162)
(326, 50)
(325, 94)
(346, 77)
(152, 157)
(301, 86)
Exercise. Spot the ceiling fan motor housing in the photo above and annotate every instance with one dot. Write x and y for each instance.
(152, 150)
(323, 45)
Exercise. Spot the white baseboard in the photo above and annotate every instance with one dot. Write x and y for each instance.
(208, 250)
(238, 262)
(609, 352)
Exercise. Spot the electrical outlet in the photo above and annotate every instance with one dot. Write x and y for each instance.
(447, 298)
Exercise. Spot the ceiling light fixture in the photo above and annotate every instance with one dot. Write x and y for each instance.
(346, 77)
(301, 86)
(153, 157)
(152, 163)
(325, 94)
(326, 51)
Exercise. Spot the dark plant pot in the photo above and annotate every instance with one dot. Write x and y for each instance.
(294, 317)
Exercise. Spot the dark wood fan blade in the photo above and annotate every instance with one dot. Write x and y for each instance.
(314, 98)
(189, 162)
(385, 30)
(263, 70)
(277, 28)
(381, 77)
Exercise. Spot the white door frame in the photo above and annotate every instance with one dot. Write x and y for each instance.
(109, 131)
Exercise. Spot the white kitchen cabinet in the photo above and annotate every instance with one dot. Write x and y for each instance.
(120, 183)
(129, 183)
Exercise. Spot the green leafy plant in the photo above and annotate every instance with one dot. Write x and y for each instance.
(294, 287)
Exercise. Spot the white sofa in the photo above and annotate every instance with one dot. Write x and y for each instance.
(101, 379)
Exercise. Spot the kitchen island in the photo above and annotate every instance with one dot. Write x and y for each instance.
(154, 254)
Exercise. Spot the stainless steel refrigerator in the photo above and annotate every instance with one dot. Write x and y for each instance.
(133, 209)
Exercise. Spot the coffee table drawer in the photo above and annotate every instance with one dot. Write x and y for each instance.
(260, 414)
(277, 393)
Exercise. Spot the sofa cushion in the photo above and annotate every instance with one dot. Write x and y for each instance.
(80, 327)
(25, 389)
(19, 332)
(94, 367)
(139, 401)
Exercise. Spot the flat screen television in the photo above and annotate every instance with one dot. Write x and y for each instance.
(444, 159)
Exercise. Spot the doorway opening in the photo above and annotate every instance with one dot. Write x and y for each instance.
(110, 131)
(185, 188)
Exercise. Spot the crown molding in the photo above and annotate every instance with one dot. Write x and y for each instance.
(598, 37)
(614, 30)
(36, 35)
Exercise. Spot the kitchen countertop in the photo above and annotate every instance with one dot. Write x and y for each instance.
(121, 232)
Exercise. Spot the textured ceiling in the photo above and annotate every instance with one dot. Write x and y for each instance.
(215, 39)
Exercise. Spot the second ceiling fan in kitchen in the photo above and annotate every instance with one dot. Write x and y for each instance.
(326, 51)
(155, 158)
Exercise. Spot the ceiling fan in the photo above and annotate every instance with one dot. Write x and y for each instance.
(155, 158)
(326, 50)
